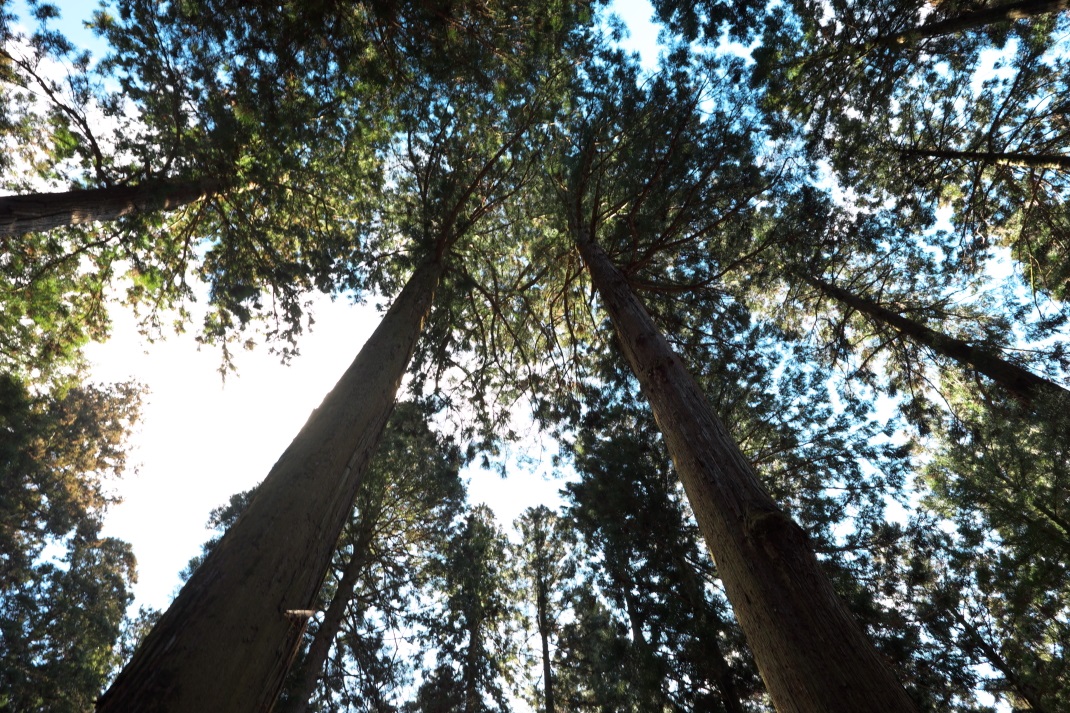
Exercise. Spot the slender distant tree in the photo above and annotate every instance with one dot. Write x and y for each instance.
(1019, 382)
(403, 510)
(652, 571)
(469, 627)
(546, 565)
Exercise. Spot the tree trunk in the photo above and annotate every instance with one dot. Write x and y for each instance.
(470, 671)
(544, 634)
(977, 18)
(224, 643)
(36, 212)
(1054, 161)
(327, 632)
(1022, 383)
(813, 657)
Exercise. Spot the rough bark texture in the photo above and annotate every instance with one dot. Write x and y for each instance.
(977, 18)
(224, 643)
(813, 657)
(44, 211)
(1055, 161)
(1022, 383)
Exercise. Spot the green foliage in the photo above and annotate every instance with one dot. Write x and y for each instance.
(402, 516)
(347, 142)
(545, 566)
(999, 592)
(291, 164)
(63, 587)
(469, 626)
(52, 306)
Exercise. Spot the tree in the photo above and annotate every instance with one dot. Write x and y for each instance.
(252, 596)
(545, 566)
(63, 587)
(757, 547)
(976, 18)
(996, 162)
(1019, 382)
(470, 626)
(997, 583)
(651, 569)
(225, 640)
(754, 543)
(219, 105)
(267, 173)
(895, 106)
(403, 510)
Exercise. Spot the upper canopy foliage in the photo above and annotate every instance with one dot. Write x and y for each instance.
(795, 216)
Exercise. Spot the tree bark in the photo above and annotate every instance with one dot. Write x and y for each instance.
(1021, 383)
(977, 18)
(813, 657)
(223, 644)
(1054, 161)
(36, 212)
(470, 670)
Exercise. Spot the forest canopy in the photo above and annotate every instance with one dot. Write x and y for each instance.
(789, 303)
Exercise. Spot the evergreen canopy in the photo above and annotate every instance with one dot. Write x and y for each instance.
(792, 305)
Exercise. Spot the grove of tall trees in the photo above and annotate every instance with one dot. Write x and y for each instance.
(790, 303)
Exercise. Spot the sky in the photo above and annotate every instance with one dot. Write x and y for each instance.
(200, 439)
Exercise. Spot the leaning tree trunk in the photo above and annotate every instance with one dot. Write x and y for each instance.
(226, 642)
(812, 655)
(1029, 160)
(36, 212)
(977, 18)
(1021, 383)
(302, 691)
(1022, 687)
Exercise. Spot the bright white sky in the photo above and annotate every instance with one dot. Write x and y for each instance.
(200, 440)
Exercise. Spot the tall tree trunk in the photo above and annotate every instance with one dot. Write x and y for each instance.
(35, 212)
(224, 643)
(1022, 383)
(544, 634)
(977, 18)
(1055, 161)
(813, 657)
(312, 668)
